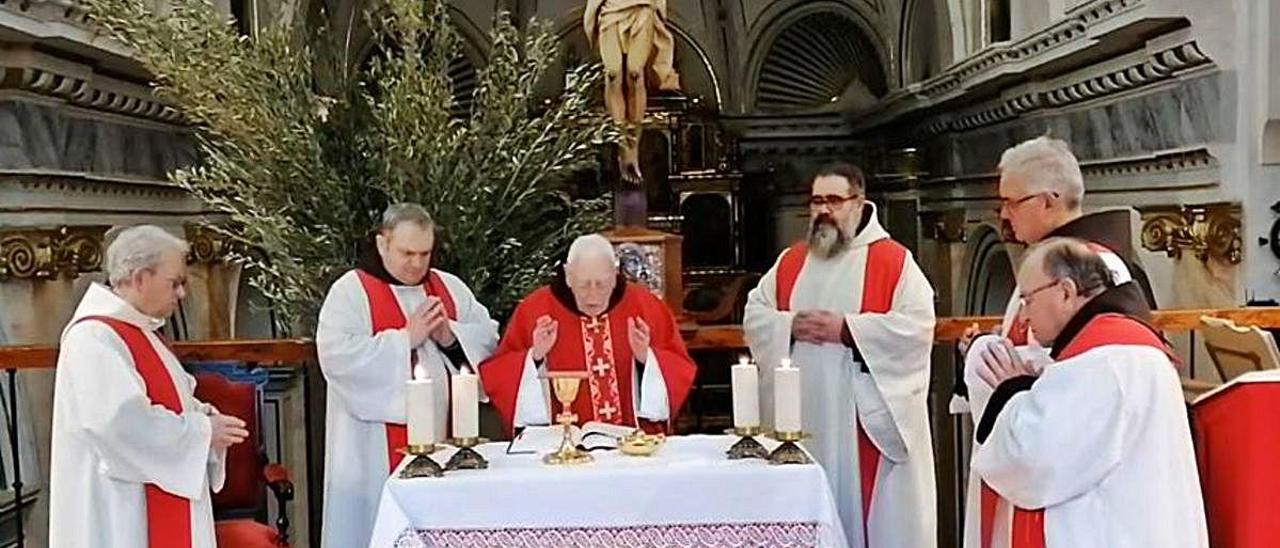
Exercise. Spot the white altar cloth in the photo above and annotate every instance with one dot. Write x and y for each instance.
(688, 494)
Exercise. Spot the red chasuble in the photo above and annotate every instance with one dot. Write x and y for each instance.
(168, 515)
(385, 313)
(601, 346)
(885, 260)
(1027, 530)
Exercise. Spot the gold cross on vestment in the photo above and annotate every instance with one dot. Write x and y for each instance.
(608, 411)
(601, 367)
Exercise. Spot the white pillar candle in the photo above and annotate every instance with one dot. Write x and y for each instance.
(420, 407)
(746, 394)
(786, 402)
(466, 410)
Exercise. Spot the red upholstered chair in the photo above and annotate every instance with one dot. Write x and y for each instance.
(243, 499)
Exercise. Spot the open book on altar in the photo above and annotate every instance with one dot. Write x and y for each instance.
(545, 439)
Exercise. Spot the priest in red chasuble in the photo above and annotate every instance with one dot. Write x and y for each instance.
(590, 319)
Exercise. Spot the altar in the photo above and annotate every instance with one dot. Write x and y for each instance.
(687, 495)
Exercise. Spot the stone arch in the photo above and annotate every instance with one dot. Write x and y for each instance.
(816, 56)
(925, 44)
(991, 274)
(352, 28)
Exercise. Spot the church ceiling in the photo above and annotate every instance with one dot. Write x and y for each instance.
(814, 62)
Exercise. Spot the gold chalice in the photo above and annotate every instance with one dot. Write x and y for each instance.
(565, 385)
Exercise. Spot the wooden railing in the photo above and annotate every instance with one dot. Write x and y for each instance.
(292, 352)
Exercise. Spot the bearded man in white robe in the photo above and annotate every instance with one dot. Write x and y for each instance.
(381, 320)
(135, 455)
(855, 313)
(1093, 449)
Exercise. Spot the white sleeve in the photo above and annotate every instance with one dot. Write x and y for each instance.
(653, 402)
(474, 329)
(532, 403)
(137, 441)
(1057, 440)
(368, 372)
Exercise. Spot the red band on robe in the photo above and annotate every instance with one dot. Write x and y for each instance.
(885, 262)
(168, 515)
(385, 315)
(602, 370)
(1103, 330)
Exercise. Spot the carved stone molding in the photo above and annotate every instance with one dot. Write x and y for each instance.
(944, 226)
(47, 253)
(1210, 231)
(209, 245)
(78, 84)
(1156, 67)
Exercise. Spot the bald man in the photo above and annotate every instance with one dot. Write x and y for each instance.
(1093, 449)
(1041, 195)
(590, 319)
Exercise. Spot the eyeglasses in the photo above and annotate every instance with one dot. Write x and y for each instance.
(1026, 297)
(1010, 203)
(817, 202)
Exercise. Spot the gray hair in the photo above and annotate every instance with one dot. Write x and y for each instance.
(139, 248)
(591, 245)
(406, 212)
(1046, 165)
(1072, 259)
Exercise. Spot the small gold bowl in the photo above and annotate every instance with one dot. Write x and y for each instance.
(639, 444)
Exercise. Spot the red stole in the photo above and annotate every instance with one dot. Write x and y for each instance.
(885, 261)
(385, 313)
(1027, 530)
(168, 515)
(603, 345)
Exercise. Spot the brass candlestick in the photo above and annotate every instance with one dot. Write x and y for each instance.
(747, 447)
(422, 465)
(565, 385)
(466, 458)
(789, 452)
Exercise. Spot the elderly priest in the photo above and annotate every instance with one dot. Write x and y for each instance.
(1095, 449)
(590, 319)
(134, 453)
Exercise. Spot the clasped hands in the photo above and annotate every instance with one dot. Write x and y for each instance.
(1000, 361)
(430, 321)
(817, 327)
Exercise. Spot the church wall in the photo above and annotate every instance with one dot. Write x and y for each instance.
(85, 147)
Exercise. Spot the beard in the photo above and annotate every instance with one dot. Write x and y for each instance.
(827, 238)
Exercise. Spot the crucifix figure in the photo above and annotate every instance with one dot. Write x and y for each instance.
(632, 38)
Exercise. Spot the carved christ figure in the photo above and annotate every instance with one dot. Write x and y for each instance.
(633, 38)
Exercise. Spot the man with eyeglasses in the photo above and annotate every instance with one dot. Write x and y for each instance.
(135, 455)
(1093, 449)
(854, 312)
(1041, 191)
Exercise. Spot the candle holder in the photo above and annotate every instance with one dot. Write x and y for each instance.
(422, 465)
(466, 458)
(789, 452)
(565, 385)
(746, 447)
